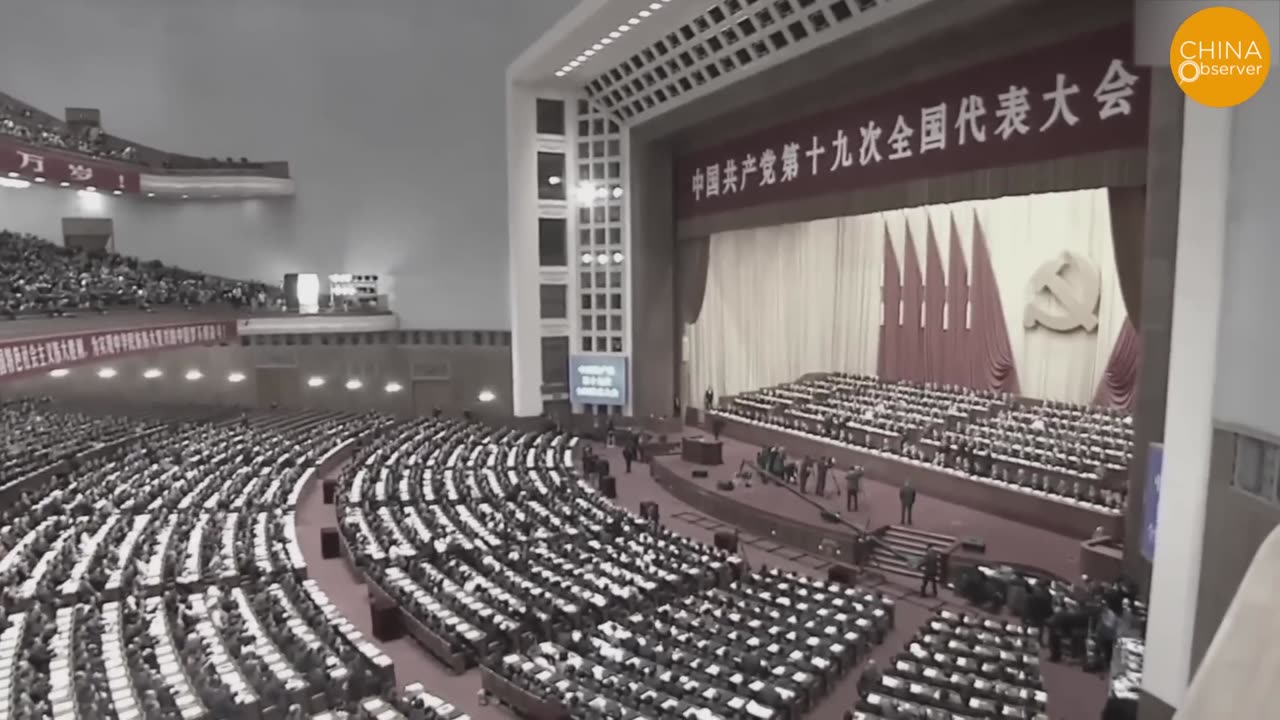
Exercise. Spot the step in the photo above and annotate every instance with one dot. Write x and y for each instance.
(892, 563)
(923, 536)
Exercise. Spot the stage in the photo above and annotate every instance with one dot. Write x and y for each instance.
(775, 512)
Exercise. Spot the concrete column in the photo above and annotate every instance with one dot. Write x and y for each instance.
(522, 263)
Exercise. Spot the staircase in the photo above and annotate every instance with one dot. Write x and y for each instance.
(901, 547)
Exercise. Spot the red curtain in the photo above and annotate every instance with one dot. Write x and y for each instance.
(891, 296)
(935, 301)
(911, 347)
(991, 355)
(1118, 387)
(956, 341)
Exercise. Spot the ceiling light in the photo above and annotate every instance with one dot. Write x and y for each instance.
(588, 53)
(39, 179)
(151, 194)
(597, 47)
(354, 384)
(184, 197)
(64, 183)
(574, 63)
(14, 184)
(566, 68)
(605, 40)
(617, 257)
(615, 34)
(602, 258)
(59, 372)
(235, 377)
(107, 373)
(315, 381)
(486, 396)
(585, 193)
(117, 192)
(559, 73)
(644, 13)
(587, 258)
(13, 174)
(602, 192)
(87, 192)
(626, 28)
(91, 189)
(393, 387)
(553, 180)
(193, 375)
(655, 6)
(153, 373)
(617, 191)
(581, 58)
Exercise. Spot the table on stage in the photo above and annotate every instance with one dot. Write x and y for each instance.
(702, 450)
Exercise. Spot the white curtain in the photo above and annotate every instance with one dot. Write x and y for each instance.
(788, 300)
(1024, 232)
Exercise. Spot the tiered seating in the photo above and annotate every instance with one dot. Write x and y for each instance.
(962, 666)
(39, 434)
(41, 277)
(1072, 452)
(164, 580)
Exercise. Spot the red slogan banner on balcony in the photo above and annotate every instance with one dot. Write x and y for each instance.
(30, 162)
(1080, 96)
(20, 357)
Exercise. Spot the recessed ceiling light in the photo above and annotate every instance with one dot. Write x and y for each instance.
(617, 257)
(117, 192)
(597, 47)
(626, 28)
(559, 73)
(655, 6)
(151, 194)
(354, 384)
(91, 189)
(393, 387)
(644, 13)
(574, 63)
(64, 183)
(486, 396)
(13, 174)
(153, 373)
(39, 179)
(107, 373)
(588, 53)
(606, 41)
(587, 258)
(581, 58)
(59, 372)
(193, 375)
(615, 34)
(554, 180)
(235, 377)
(617, 191)
(315, 381)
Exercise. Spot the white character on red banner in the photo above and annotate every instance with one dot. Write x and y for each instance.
(815, 151)
(933, 128)
(6, 361)
(869, 151)
(729, 183)
(713, 180)
(80, 173)
(900, 139)
(1114, 91)
(968, 119)
(748, 169)
(1061, 109)
(844, 154)
(32, 162)
(1013, 111)
(699, 182)
(790, 161)
(768, 167)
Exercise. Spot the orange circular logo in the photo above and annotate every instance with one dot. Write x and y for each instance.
(1220, 57)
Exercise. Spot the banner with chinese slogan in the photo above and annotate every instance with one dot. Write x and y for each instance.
(31, 162)
(22, 357)
(1080, 96)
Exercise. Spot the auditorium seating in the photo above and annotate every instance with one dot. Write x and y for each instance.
(165, 579)
(42, 277)
(1075, 453)
(961, 666)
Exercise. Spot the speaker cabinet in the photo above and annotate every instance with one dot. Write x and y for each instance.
(329, 489)
(726, 541)
(385, 617)
(840, 574)
(609, 486)
(329, 546)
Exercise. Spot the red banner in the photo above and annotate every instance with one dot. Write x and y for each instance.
(1080, 96)
(21, 357)
(30, 162)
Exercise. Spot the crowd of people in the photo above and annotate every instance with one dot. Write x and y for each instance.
(1074, 452)
(45, 278)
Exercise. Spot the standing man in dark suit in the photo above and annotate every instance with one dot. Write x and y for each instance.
(824, 465)
(929, 569)
(907, 496)
(628, 455)
(805, 466)
(852, 487)
(708, 400)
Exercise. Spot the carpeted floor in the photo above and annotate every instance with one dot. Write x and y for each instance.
(1006, 540)
(1073, 695)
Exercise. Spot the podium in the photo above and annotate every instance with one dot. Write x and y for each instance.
(701, 450)
(609, 486)
(329, 489)
(329, 546)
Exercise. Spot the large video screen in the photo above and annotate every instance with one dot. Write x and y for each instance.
(596, 379)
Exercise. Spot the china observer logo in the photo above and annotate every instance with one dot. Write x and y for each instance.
(1220, 57)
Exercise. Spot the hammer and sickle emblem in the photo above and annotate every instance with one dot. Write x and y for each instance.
(1077, 294)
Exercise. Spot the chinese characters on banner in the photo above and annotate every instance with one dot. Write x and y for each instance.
(55, 166)
(1076, 97)
(20, 357)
